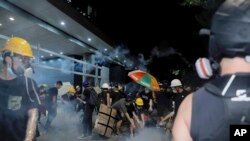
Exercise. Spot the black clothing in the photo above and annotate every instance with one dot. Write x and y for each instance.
(120, 106)
(164, 103)
(103, 97)
(88, 112)
(15, 102)
(216, 106)
(146, 99)
(87, 119)
(116, 96)
(51, 106)
(178, 98)
(51, 93)
(86, 94)
(130, 109)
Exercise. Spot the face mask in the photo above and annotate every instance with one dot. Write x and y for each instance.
(174, 90)
(11, 72)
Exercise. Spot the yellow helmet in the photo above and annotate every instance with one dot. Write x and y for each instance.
(72, 90)
(139, 101)
(19, 46)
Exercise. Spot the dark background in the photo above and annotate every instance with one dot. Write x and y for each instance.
(144, 25)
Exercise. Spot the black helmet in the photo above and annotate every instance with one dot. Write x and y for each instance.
(230, 31)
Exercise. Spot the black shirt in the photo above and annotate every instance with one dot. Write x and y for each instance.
(86, 93)
(116, 95)
(14, 105)
(178, 98)
(164, 103)
(52, 92)
(103, 97)
(146, 99)
(130, 109)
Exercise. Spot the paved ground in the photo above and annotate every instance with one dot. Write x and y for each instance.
(67, 127)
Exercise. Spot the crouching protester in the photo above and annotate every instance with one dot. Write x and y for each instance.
(123, 107)
(19, 99)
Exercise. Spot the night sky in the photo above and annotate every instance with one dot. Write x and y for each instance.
(143, 25)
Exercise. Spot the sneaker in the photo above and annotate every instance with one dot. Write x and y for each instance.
(83, 137)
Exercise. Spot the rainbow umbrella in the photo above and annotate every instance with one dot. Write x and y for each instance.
(145, 79)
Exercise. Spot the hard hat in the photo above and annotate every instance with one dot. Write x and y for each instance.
(105, 86)
(45, 85)
(139, 101)
(85, 83)
(19, 46)
(175, 83)
(230, 30)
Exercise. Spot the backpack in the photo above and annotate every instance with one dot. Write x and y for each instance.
(93, 97)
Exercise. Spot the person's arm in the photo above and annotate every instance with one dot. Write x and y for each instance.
(181, 128)
(31, 124)
(136, 118)
(54, 101)
(167, 116)
(130, 119)
(108, 100)
(111, 100)
(150, 105)
(80, 100)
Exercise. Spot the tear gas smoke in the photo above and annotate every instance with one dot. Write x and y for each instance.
(151, 134)
(66, 125)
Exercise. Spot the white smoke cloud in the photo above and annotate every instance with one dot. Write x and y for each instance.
(66, 125)
(151, 134)
(160, 52)
(122, 53)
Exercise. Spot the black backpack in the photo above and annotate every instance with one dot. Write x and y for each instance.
(93, 97)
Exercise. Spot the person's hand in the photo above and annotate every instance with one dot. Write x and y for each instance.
(132, 124)
(161, 123)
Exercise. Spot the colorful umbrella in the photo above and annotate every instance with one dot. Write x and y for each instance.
(145, 79)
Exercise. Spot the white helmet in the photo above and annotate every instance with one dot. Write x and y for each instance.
(175, 83)
(105, 86)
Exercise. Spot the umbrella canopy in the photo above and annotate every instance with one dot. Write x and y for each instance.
(145, 79)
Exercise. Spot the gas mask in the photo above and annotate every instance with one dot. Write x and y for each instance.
(29, 72)
(174, 90)
(24, 68)
(205, 68)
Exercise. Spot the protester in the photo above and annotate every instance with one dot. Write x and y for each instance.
(88, 110)
(120, 106)
(208, 113)
(52, 103)
(19, 99)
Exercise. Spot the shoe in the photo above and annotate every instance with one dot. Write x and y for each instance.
(83, 137)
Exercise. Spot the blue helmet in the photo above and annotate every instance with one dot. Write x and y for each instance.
(85, 83)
